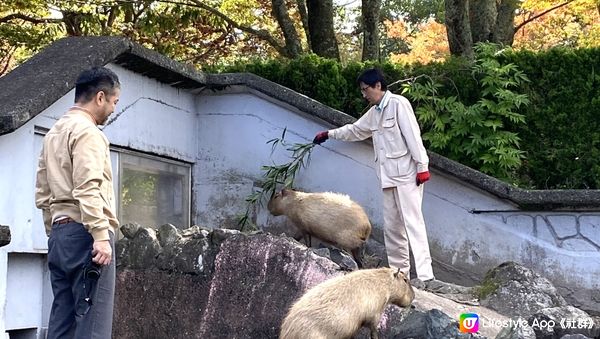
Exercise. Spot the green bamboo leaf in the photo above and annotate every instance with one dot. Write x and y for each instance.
(274, 175)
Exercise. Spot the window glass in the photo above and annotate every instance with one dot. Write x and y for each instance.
(153, 191)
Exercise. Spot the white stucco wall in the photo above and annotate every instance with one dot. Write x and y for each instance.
(472, 231)
(22, 292)
(233, 134)
(153, 117)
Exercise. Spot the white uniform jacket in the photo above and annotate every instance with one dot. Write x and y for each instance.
(397, 143)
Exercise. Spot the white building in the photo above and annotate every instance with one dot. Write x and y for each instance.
(187, 148)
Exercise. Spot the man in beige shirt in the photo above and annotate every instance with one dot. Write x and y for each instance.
(74, 190)
(402, 166)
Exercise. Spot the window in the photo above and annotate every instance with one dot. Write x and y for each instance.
(153, 191)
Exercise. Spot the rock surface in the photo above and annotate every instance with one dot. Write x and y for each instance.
(534, 305)
(4, 235)
(518, 291)
(221, 284)
(201, 283)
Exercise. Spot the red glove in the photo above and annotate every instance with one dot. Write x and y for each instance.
(321, 137)
(422, 177)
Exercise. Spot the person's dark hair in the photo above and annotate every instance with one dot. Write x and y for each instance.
(371, 77)
(94, 80)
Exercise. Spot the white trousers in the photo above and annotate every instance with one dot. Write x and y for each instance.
(403, 224)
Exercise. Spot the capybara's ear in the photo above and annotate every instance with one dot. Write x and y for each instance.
(397, 272)
(285, 191)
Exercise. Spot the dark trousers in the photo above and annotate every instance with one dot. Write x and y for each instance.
(82, 306)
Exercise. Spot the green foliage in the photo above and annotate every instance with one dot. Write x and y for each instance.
(20, 41)
(187, 31)
(275, 176)
(487, 288)
(562, 137)
(138, 187)
(316, 77)
(413, 11)
(320, 78)
(476, 135)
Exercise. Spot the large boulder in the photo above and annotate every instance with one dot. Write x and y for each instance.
(222, 284)
(533, 304)
(516, 291)
(557, 322)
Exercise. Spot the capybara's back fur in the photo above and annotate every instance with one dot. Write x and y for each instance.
(331, 217)
(338, 307)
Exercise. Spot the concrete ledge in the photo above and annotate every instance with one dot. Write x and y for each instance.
(281, 93)
(543, 200)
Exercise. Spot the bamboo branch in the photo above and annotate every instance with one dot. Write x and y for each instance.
(274, 175)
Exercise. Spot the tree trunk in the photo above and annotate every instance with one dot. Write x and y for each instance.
(72, 21)
(470, 22)
(483, 15)
(458, 28)
(370, 20)
(293, 45)
(304, 19)
(504, 32)
(320, 27)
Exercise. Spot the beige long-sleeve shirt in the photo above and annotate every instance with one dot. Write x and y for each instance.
(74, 176)
(397, 143)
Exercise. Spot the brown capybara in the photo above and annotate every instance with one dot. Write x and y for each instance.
(331, 217)
(339, 307)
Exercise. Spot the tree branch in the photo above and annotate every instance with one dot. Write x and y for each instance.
(292, 41)
(261, 34)
(29, 19)
(541, 14)
(304, 18)
(6, 60)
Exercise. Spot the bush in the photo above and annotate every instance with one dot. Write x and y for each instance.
(562, 136)
(477, 134)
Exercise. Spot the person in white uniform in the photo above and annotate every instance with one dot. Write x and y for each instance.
(402, 167)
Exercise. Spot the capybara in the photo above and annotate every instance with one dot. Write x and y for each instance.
(339, 307)
(331, 217)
